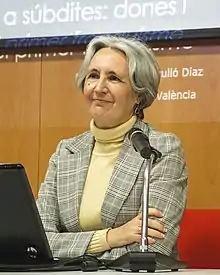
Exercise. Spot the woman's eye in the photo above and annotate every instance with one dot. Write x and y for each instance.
(93, 75)
(114, 78)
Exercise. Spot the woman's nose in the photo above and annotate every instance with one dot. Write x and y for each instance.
(100, 86)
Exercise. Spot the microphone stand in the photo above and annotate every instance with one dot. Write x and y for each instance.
(144, 259)
(145, 199)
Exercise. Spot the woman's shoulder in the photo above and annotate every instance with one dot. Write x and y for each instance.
(154, 133)
(163, 140)
(74, 143)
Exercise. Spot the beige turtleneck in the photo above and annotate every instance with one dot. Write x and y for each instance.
(108, 143)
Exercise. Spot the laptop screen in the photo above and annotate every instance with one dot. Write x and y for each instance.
(22, 236)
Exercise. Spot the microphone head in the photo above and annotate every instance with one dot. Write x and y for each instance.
(140, 142)
(133, 132)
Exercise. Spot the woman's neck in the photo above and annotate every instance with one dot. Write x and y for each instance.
(114, 134)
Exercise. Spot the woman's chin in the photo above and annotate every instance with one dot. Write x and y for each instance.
(98, 112)
(100, 118)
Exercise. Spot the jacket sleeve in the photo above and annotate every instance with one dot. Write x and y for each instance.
(168, 193)
(62, 244)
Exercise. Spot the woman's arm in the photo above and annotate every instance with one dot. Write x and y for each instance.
(62, 244)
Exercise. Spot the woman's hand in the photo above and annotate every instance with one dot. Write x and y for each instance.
(156, 228)
(131, 231)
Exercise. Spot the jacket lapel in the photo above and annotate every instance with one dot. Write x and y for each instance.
(77, 166)
(125, 173)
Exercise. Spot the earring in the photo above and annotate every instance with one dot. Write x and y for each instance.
(136, 110)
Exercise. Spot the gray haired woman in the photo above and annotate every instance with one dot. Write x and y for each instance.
(90, 200)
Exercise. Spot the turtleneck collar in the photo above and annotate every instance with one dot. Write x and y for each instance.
(112, 135)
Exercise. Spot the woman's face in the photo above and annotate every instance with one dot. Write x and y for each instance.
(107, 89)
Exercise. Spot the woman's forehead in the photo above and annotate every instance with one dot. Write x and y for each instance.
(108, 59)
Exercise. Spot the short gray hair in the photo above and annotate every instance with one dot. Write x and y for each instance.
(144, 72)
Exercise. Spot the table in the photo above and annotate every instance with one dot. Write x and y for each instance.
(111, 272)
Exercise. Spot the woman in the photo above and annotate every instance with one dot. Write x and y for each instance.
(90, 200)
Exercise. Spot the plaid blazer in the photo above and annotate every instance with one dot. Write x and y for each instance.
(61, 192)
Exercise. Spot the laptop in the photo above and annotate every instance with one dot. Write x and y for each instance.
(23, 241)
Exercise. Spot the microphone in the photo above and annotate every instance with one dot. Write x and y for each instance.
(144, 259)
(140, 142)
(142, 145)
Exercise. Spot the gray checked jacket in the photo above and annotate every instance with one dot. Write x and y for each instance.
(61, 192)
